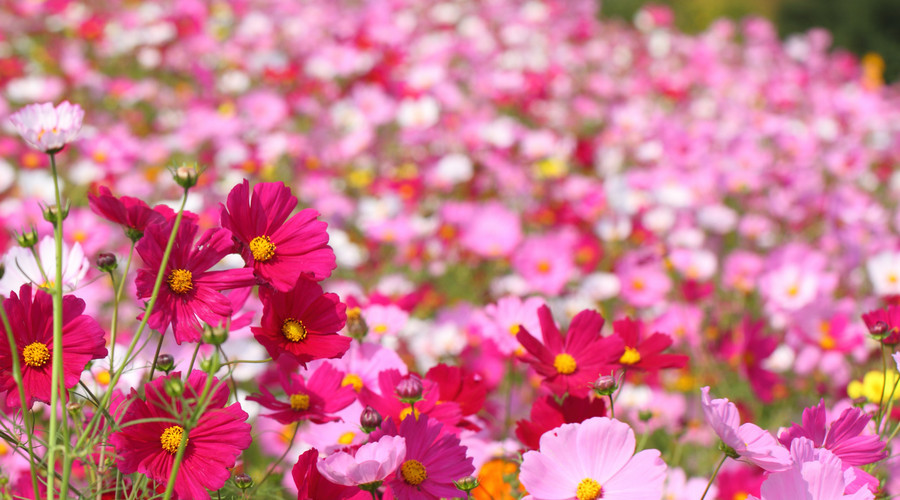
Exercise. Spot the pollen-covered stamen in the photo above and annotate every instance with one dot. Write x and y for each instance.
(293, 330)
(262, 248)
(36, 354)
(180, 281)
(588, 489)
(299, 402)
(354, 380)
(630, 356)
(565, 364)
(413, 472)
(171, 438)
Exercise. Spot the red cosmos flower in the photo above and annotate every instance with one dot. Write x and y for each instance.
(570, 364)
(746, 350)
(131, 213)
(311, 485)
(212, 446)
(314, 400)
(890, 316)
(190, 293)
(646, 354)
(388, 404)
(468, 390)
(302, 323)
(279, 249)
(434, 459)
(31, 320)
(547, 414)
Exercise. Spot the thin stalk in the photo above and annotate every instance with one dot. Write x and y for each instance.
(612, 406)
(713, 478)
(155, 356)
(114, 324)
(283, 455)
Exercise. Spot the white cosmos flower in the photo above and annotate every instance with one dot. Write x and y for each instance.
(21, 266)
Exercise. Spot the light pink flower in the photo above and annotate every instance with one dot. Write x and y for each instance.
(46, 127)
(748, 440)
(372, 462)
(590, 460)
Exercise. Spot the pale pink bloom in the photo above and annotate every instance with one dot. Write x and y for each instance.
(679, 487)
(592, 459)
(748, 440)
(501, 322)
(644, 280)
(22, 267)
(884, 273)
(492, 231)
(48, 128)
(384, 320)
(372, 462)
(363, 362)
(546, 262)
(742, 270)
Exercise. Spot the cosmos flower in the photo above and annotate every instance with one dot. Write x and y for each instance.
(48, 128)
(371, 463)
(312, 485)
(212, 446)
(316, 399)
(21, 266)
(133, 214)
(645, 354)
(30, 316)
(547, 414)
(592, 460)
(278, 248)
(190, 293)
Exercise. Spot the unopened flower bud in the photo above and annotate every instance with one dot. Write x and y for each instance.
(165, 363)
(880, 329)
(210, 365)
(107, 262)
(605, 385)
(27, 240)
(410, 389)
(243, 481)
(186, 176)
(51, 213)
(645, 415)
(214, 335)
(174, 387)
(356, 325)
(369, 420)
(73, 408)
(466, 484)
(860, 401)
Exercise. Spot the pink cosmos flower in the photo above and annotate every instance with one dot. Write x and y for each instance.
(388, 403)
(30, 316)
(434, 459)
(190, 293)
(748, 440)
(644, 281)
(546, 262)
(316, 399)
(501, 322)
(592, 460)
(363, 362)
(372, 462)
(48, 128)
(280, 250)
(312, 485)
(133, 214)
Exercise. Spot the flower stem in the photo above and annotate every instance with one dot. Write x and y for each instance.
(156, 356)
(286, 451)
(612, 406)
(114, 326)
(713, 478)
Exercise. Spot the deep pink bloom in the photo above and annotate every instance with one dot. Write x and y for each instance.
(316, 399)
(302, 323)
(212, 446)
(746, 350)
(844, 437)
(133, 214)
(570, 364)
(547, 414)
(748, 440)
(645, 354)
(30, 316)
(434, 459)
(890, 316)
(190, 292)
(388, 403)
(279, 249)
(372, 462)
(48, 128)
(592, 459)
(311, 485)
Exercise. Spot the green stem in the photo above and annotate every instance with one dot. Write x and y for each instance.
(286, 451)
(612, 407)
(156, 356)
(114, 325)
(713, 478)
(17, 375)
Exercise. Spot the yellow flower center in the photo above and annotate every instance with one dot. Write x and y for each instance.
(827, 342)
(171, 438)
(406, 412)
(354, 380)
(103, 377)
(543, 267)
(293, 330)
(353, 313)
(514, 329)
(262, 248)
(588, 489)
(299, 402)
(564, 363)
(179, 281)
(36, 354)
(630, 356)
(413, 472)
(741, 495)
(346, 438)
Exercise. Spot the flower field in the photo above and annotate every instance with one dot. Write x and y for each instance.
(434, 249)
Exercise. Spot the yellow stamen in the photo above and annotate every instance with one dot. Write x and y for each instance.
(180, 281)
(299, 402)
(262, 248)
(588, 489)
(514, 329)
(346, 438)
(564, 364)
(413, 472)
(171, 438)
(543, 267)
(406, 412)
(36, 354)
(103, 377)
(354, 380)
(630, 356)
(293, 330)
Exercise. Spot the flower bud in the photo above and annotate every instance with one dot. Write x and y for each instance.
(27, 240)
(186, 175)
(645, 415)
(51, 213)
(356, 325)
(210, 365)
(214, 335)
(174, 387)
(369, 420)
(73, 408)
(165, 363)
(880, 329)
(410, 389)
(605, 385)
(107, 262)
(466, 484)
(243, 481)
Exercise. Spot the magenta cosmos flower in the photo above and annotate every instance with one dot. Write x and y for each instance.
(30, 316)
(749, 441)
(131, 213)
(571, 364)
(591, 460)
(302, 323)
(373, 462)
(190, 293)
(316, 399)
(434, 459)
(48, 128)
(845, 437)
(279, 249)
(212, 446)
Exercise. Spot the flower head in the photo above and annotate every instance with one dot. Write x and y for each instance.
(312, 485)
(372, 462)
(22, 267)
(547, 414)
(645, 353)
(48, 128)
(845, 437)
(133, 214)
(316, 399)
